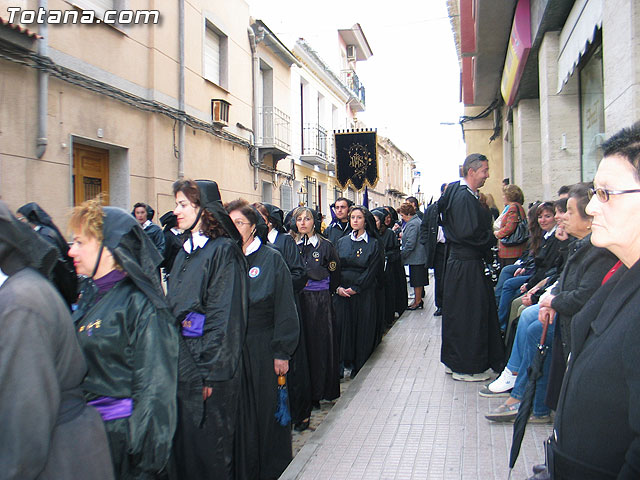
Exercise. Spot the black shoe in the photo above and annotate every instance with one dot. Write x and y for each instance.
(302, 426)
(416, 307)
(438, 312)
(315, 405)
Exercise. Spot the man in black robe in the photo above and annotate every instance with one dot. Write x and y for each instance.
(434, 241)
(340, 226)
(471, 341)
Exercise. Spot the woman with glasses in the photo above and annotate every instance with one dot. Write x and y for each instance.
(597, 425)
(355, 303)
(208, 294)
(263, 443)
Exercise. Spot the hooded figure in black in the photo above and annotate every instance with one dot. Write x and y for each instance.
(63, 275)
(128, 337)
(361, 257)
(340, 226)
(397, 268)
(263, 444)
(208, 294)
(145, 219)
(173, 240)
(321, 332)
(392, 261)
(298, 376)
(47, 431)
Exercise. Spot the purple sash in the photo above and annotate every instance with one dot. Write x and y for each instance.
(193, 325)
(113, 408)
(317, 285)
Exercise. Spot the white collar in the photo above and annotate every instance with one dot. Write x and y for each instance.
(253, 247)
(364, 236)
(146, 224)
(3, 277)
(550, 232)
(177, 231)
(464, 182)
(313, 240)
(198, 239)
(272, 235)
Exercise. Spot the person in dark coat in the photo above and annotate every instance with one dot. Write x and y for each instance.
(263, 443)
(413, 254)
(128, 337)
(339, 227)
(208, 294)
(471, 341)
(63, 275)
(173, 240)
(48, 432)
(391, 262)
(597, 424)
(434, 242)
(144, 216)
(298, 380)
(355, 305)
(318, 319)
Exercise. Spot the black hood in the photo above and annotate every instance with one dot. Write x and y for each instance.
(37, 216)
(21, 247)
(150, 212)
(275, 216)
(169, 220)
(262, 229)
(132, 249)
(382, 214)
(210, 200)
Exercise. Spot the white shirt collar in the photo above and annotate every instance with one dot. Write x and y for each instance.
(199, 240)
(364, 236)
(146, 224)
(313, 241)
(464, 182)
(550, 232)
(253, 247)
(272, 235)
(3, 277)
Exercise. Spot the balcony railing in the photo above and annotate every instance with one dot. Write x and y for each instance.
(274, 129)
(317, 144)
(351, 80)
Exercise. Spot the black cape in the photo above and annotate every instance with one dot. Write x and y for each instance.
(471, 340)
(336, 230)
(263, 445)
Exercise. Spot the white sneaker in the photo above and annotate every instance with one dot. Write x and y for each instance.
(447, 370)
(501, 385)
(471, 377)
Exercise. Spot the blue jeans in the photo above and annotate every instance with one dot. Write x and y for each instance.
(505, 274)
(510, 291)
(525, 347)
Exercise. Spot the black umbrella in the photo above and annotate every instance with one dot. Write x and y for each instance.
(534, 372)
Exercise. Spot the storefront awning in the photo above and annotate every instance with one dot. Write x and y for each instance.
(577, 34)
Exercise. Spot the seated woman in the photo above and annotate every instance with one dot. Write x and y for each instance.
(597, 424)
(323, 269)
(513, 199)
(128, 336)
(582, 275)
(355, 304)
(263, 445)
(413, 253)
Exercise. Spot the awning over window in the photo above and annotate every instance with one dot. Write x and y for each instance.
(577, 34)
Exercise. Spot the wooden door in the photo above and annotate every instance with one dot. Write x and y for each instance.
(90, 173)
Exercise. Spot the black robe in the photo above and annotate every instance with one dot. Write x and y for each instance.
(131, 348)
(41, 369)
(156, 235)
(318, 320)
(298, 382)
(471, 340)
(356, 315)
(391, 283)
(336, 230)
(263, 446)
(212, 281)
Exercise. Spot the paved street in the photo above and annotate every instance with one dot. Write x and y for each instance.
(402, 417)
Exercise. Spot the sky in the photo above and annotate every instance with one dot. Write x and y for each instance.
(412, 81)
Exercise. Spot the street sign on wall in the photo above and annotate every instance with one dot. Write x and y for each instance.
(517, 52)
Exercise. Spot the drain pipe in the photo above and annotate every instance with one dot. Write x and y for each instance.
(181, 107)
(255, 70)
(43, 86)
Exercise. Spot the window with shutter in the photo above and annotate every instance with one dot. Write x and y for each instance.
(212, 56)
(286, 201)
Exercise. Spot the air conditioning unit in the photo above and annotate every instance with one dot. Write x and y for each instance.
(220, 112)
(351, 53)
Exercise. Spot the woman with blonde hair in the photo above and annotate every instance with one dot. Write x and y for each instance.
(128, 337)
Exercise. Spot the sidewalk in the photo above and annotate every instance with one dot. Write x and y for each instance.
(402, 417)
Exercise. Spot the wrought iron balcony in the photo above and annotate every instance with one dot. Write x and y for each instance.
(351, 80)
(274, 129)
(317, 145)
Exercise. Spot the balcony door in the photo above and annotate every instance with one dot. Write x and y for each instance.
(90, 173)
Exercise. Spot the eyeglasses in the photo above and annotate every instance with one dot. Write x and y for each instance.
(603, 195)
(240, 223)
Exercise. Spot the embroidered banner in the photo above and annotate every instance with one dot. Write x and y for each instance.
(356, 158)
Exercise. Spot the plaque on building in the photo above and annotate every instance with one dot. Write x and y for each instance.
(356, 158)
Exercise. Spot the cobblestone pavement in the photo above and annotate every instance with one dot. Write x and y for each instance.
(402, 417)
